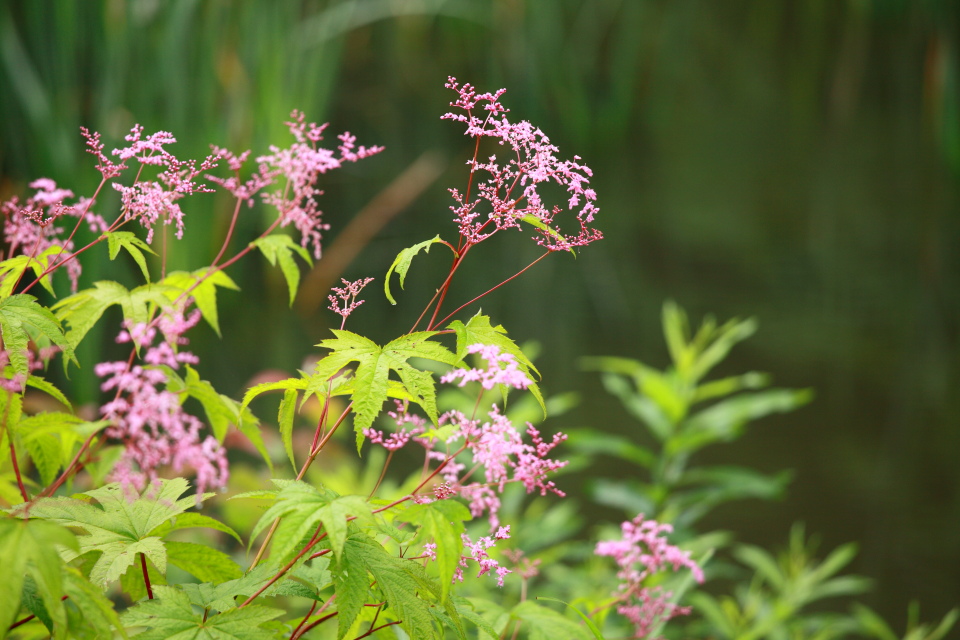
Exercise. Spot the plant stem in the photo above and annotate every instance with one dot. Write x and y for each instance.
(146, 576)
(13, 450)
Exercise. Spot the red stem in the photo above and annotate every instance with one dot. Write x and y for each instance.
(492, 289)
(146, 576)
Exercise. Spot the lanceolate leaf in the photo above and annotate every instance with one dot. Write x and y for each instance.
(478, 330)
(280, 246)
(542, 623)
(134, 246)
(374, 364)
(21, 318)
(402, 263)
(171, 615)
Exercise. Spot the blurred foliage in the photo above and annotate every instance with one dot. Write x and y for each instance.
(797, 160)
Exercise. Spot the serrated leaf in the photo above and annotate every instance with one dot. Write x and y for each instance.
(117, 240)
(478, 330)
(82, 310)
(171, 615)
(21, 317)
(193, 520)
(441, 521)
(25, 547)
(280, 247)
(400, 581)
(205, 563)
(302, 508)
(204, 294)
(12, 270)
(401, 264)
(121, 525)
(374, 364)
(48, 388)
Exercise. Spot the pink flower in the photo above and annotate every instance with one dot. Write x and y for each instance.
(346, 299)
(642, 552)
(510, 187)
(31, 229)
(301, 164)
(149, 419)
(502, 368)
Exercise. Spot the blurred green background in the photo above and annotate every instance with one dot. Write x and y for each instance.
(797, 161)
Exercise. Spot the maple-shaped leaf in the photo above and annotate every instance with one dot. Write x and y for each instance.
(478, 330)
(171, 615)
(302, 507)
(12, 270)
(51, 438)
(25, 550)
(204, 293)
(374, 364)
(82, 310)
(441, 522)
(97, 618)
(409, 594)
(22, 319)
(133, 245)
(120, 527)
(280, 247)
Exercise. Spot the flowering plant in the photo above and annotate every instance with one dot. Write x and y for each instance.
(362, 557)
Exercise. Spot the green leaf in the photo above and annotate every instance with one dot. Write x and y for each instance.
(21, 318)
(82, 310)
(302, 508)
(534, 221)
(193, 520)
(374, 364)
(288, 409)
(11, 270)
(206, 563)
(587, 621)
(478, 330)
(402, 263)
(401, 581)
(542, 623)
(205, 292)
(442, 522)
(121, 525)
(96, 609)
(280, 246)
(134, 246)
(171, 615)
(42, 385)
(25, 550)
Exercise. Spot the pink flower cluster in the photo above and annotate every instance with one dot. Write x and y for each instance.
(149, 419)
(478, 552)
(502, 368)
(36, 359)
(30, 229)
(154, 201)
(301, 164)
(345, 300)
(511, 188)
(494, 446)
(642, 552)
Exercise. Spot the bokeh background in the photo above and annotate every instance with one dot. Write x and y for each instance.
(797, 161)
